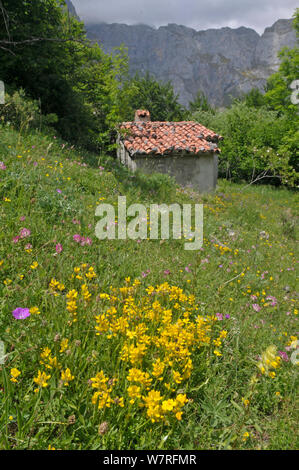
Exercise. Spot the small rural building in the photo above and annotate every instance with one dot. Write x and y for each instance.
(185, 150)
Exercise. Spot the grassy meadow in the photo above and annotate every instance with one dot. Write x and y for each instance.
(140, 344)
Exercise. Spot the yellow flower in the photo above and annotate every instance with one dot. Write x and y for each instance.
(245, 402)
(41, 380)
(66, 377)
(64, 345)
(34, 265)
(14, 375)
(72, 295)
(134, 392)
(34, 311)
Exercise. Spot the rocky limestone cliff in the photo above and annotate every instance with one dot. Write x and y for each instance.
(221, 62)
(71, 8)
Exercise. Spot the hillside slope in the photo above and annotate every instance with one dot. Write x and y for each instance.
(92, 328)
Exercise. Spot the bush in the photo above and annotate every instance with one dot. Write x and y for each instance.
(254, 145)
(24, 112)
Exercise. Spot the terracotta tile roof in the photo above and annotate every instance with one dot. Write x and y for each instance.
(162, 138)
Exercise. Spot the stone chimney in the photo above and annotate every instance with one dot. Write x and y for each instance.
(142, 115)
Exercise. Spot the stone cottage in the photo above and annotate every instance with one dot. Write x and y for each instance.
(185, 150)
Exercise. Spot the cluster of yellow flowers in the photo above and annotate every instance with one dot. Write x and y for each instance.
(41, 380)
(158, 332)
(269, 361)
(56, 286)
(103, 397)
(222, 248)
(47, 360)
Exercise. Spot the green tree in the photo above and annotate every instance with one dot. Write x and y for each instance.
(254, 98)
(45, 51)
(157, 97)
(278, 97)
(200, 103)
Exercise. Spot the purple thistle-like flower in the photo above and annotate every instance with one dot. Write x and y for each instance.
(21, 313)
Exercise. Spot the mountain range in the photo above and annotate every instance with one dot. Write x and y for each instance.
(223, 63)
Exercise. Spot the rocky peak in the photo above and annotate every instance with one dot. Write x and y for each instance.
(223, 63)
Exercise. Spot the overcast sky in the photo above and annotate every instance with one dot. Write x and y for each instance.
(198, 14)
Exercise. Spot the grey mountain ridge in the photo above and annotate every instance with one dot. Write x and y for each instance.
(221, 62)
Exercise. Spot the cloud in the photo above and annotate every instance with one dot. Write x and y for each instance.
(198, 14)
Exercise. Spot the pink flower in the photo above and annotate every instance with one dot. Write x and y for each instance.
(82, 240)
(28, 246)
(25, 232)
(256, 307)
(274, 300)
(145, 274)
(219, 316)
(16, 239)
(22, 218)
(283, 355)
(166, 272)
(21, 313)
(2, 166)
(58, 248)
